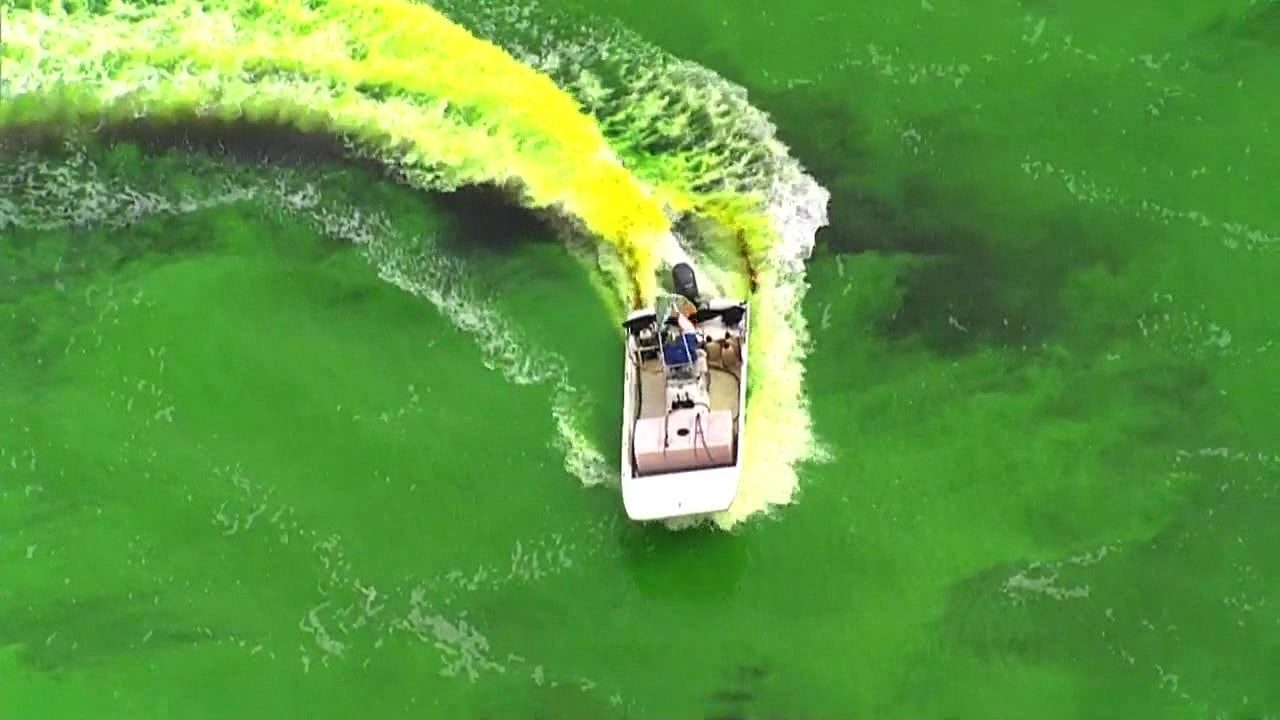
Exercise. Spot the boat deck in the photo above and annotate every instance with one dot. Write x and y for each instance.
(723, 369)
(653, 393)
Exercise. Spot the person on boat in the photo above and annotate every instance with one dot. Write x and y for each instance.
(682, 349)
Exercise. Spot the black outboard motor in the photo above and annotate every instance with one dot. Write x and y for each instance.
(685, 282)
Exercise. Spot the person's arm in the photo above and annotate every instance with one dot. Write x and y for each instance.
(686, 326)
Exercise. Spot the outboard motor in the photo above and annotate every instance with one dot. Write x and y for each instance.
(685, 282)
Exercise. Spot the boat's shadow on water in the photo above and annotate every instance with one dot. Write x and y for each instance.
(697, 569)
(697, 577)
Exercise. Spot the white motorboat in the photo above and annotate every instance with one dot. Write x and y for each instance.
(683, 408)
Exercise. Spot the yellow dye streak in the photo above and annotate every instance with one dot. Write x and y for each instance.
(429, 97)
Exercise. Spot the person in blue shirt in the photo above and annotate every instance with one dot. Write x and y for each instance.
(683, 349)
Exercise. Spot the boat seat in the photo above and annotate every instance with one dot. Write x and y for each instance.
(731, 355)
(714, 350)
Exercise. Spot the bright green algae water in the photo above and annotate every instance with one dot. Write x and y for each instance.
(247, 473)
(399, 82)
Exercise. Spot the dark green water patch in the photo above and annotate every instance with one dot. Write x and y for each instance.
(1186, 607)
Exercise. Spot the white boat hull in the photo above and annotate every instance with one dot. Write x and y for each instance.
(680, 494)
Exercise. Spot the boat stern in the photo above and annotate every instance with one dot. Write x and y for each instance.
(679, 494)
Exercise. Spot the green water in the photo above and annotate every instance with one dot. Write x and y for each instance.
(286, 439)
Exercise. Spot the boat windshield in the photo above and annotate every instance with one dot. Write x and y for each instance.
(668, 304)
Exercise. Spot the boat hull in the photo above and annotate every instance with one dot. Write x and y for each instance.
(680, 494)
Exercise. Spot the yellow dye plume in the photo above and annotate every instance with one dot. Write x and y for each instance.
(447, 107)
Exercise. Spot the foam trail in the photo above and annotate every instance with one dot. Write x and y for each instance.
(415, 266)
(39, 194)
